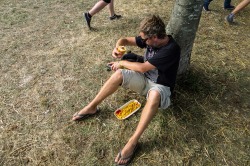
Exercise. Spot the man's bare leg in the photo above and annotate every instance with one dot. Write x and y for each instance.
(108, 88)
(147, 115)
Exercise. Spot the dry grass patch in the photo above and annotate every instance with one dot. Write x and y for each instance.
(51, 66)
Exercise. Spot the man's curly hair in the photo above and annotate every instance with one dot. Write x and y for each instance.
(153, 26)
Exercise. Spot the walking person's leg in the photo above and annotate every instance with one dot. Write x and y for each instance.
(206, 4)
(98, 7)
(111, 8)
(227, 5)
(240, 6)
(112, 11)
(95, 9)
(230, 18)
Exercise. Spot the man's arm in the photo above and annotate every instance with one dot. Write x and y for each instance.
(136, 66)
(127, 41)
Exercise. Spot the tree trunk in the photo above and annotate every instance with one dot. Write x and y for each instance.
(183, 25)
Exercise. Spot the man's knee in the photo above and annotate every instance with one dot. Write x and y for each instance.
(154, 96)
(107, 1)
(118, 75)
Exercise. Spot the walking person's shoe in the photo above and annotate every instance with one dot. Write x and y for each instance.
(88, 20)
(229, 18)
(115, 16)
(205, 8)
(230, 7)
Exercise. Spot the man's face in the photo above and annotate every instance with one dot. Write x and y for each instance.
(144, 38)
(150, 41)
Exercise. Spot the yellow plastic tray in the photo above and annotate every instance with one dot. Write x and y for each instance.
(127, 109)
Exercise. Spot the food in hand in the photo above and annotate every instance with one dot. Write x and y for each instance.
(121, 49)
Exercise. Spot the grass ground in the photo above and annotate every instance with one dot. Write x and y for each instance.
(51, 66)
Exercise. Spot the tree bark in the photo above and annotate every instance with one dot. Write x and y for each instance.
(183, 24)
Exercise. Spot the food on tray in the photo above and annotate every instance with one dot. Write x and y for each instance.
(127, 109)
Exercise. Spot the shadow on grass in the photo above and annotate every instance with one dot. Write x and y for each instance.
(196, 118)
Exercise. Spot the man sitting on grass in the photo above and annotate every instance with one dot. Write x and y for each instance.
(154, 78)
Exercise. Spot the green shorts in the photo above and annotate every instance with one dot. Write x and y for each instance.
(137, 82)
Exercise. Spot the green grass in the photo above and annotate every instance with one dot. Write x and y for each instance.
(52, 66)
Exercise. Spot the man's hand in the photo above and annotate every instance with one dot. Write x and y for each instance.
(115, 65)
(116, 53)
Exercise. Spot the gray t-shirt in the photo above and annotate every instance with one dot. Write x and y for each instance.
(151, 74)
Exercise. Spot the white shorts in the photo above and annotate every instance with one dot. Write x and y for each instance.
(137, 82)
